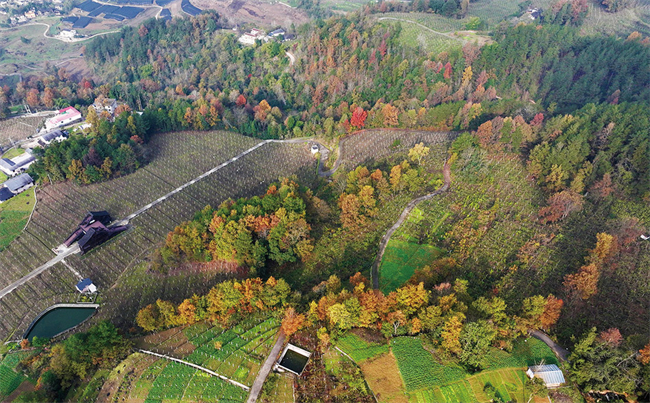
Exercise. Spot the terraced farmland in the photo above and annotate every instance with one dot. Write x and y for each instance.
(241, 352)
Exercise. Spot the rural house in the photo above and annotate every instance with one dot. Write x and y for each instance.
(249, 38)
(550, 374)
(102, 104)
(16, 165)
(86, 286)
(93, 231)
(65, 117)
(19, 184)
(48, 138)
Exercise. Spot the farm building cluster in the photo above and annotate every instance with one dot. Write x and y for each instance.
(65, 117)
(93, 230)
(249, 38)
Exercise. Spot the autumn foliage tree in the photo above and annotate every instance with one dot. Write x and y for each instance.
(292, 321)
(358, 119)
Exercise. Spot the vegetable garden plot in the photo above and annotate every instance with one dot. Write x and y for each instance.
(114, 17)
(359, 349)
(82, 22)
(128, 11)
(88, 6)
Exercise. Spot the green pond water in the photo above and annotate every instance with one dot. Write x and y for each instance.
(59, 320)
(294, 361)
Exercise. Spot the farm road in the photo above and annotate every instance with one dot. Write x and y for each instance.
(38, 271)
(559, 351)
(446, 171)
(266, 368)
(75, 248)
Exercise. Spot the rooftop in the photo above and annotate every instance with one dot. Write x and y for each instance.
(18, 182)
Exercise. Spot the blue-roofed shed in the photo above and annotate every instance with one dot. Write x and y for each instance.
(5, 194)
(550, 374)
(86, 286)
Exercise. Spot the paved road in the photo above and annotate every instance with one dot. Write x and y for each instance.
(559, 351)
(38, 271)
(446, 170)
(266, 368)
(241, 385)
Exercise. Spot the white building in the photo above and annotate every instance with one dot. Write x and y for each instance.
(105, 104)
(64, 117)
(550, 374)
(48, 138)
(16, 165)
(250, 38)
(68, 34)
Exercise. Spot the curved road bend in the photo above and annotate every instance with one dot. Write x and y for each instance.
(446, 172)
(559, 351)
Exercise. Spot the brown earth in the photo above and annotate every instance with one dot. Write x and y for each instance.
(255, 12)
(24, 387)
(383, 378)
(134, 366)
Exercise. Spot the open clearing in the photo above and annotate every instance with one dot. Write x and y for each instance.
(400, 261)
(383, 378)
(255, 11)
(13, 216)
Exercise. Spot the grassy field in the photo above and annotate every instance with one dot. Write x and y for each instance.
(400, 261)
(14, 152)
(33, 50)
(428, 379)
(359, 349)
(621, 23)
(278, 388)
(415, 36)
(435, 22)
(13, 216)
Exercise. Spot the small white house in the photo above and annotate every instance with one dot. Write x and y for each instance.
(19, 184)
(314, 149)
(65, 117)
(249, 38)
(550, 374)
(86, 286)
(48, 138)
(105, 104)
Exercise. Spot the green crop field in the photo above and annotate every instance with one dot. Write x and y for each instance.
(509, 384)
(360, 350)
(9, 378)
(428, 380)
(236, 353)
(400, 261)
(14, 152)
(13, 216)
(435, 22)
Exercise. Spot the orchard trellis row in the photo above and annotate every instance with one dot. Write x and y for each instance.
(176, 159)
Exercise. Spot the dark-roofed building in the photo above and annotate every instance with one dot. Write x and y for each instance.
(5, 194)
(19, 184)
(16, 165)
(55, 135)
(93, 231)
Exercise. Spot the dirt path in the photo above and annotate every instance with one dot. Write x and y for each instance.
(446, 172)
(559, 351)
(266, 368)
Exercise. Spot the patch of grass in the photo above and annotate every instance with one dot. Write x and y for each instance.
(10, 380)
(3, 177)
(13, 216)
(526, 352)
(414, 36)
(359, 349)
(400, 261)
(14, 152)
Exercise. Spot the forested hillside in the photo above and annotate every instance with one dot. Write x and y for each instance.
(526, 210)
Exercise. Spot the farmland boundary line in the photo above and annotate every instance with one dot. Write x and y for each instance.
(241, 385)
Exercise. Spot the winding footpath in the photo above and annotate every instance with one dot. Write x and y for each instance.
(446, 172)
